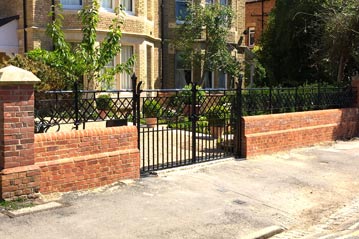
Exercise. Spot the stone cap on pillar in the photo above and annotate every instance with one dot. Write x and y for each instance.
(12, 75)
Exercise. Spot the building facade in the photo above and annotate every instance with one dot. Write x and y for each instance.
(257, 12)
(147, 31)
(174, 74)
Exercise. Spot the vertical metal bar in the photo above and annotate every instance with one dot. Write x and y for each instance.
(134, 98)
(76, 91)
(238, 126)
(193, 120)
(270, 100)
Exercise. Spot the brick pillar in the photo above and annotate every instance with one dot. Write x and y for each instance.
(19, 177)
(355, 85)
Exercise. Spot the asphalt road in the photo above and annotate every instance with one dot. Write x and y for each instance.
(297, 190)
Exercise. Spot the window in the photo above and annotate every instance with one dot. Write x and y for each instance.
(183, 75)
(181, 10)
(222, 80)
(223, 2)
(106, 5)
(208, 80)
(251, 34)
(109, 85)
(127, 6)
(125, 79)
(71, 4)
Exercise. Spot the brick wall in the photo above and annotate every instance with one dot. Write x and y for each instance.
(279, 132)
(254, 16)
(79, 160)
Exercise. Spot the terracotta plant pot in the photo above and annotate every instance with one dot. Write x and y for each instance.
(151, 122)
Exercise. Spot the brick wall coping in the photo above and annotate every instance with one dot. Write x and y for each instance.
(20, 169)
(85, 158)
(83, 133)
(12, 75)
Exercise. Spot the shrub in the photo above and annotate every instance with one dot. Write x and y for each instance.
(185, 96)
(104, 102)
(217, 115)
(152, 108)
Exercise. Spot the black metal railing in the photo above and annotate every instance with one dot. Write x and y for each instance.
(79, 107)
(283, 100)
(180, 127)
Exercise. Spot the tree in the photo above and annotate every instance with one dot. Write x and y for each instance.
(287, 44)
(87, 59)
(202, 39)
(311, 41)
(340, 41)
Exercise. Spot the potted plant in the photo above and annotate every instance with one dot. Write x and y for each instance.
(151, 109)
(185, 97)
(103, 105)
(217, 117)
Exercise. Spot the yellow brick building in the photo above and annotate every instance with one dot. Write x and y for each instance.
(147, 31)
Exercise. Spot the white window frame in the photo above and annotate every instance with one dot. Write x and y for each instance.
(110, 64)
(124, 76)
(177, 69)
(132, 11)
(225, 79)
(106, 9)
(72, 7)
(251, 32)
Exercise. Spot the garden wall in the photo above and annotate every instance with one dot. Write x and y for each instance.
(79, 160)
(279, 132)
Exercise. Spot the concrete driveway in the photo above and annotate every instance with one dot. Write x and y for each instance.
(297, 190)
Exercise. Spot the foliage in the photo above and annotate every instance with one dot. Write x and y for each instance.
(51, 78)
(217, 115)
(104, 102)
(340, 40)
(185, 95)
(288, 42)
(152, 108)
(87, 58)
(311, 40)
(259, 73)
(202, 39)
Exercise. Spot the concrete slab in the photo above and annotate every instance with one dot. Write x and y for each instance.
(38, 208)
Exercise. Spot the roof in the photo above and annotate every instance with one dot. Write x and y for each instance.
(6, 20)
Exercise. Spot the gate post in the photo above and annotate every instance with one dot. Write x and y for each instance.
(19, 176)
(238, 125)
(355, 85)
(194, 120)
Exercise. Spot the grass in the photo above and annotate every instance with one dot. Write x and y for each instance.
(16, 204)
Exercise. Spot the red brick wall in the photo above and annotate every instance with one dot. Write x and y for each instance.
(254, 16)
(279, 132)
(79, 160)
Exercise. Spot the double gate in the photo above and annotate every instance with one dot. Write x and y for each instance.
(187, 126)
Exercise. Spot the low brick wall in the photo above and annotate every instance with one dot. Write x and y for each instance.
(279, 132)
(80, 160)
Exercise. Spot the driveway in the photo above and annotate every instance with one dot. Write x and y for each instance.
(229, 199)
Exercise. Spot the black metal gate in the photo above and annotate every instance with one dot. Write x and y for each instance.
(182, 127)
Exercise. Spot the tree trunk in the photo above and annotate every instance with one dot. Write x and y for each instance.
(342, 63)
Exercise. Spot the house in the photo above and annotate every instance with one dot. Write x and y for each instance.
(175, 75)
(257, 12)
(147, 31)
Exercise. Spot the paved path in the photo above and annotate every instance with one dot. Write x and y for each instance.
(302, 190)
